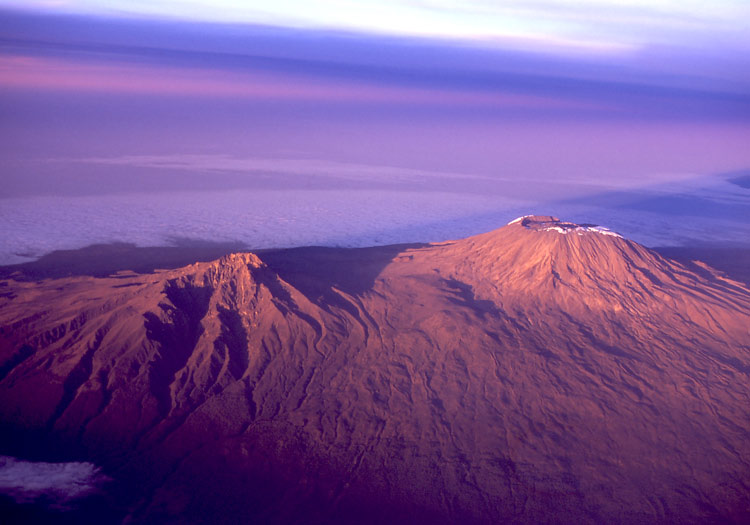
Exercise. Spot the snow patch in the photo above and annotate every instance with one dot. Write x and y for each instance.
(581, 229)
(518, 219)
(603, 231)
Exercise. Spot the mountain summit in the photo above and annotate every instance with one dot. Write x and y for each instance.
(542, 372)
(539, 263)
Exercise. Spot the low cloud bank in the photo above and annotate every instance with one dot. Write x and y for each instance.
(58, 485)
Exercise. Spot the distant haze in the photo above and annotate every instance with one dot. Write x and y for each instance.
(129, 124)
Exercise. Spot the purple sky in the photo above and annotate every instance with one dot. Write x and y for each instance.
(127, 78)
(85, 98)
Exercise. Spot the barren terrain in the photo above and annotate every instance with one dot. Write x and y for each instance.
(542, 372)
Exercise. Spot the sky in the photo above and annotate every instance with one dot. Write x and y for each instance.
(470, 111)
(593, 25)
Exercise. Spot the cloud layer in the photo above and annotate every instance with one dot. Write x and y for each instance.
(58, 485)
(302, 203)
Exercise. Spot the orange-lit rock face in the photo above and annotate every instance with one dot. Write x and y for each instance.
(545, 371)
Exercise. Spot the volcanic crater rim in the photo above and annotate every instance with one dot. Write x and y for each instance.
(550, 223)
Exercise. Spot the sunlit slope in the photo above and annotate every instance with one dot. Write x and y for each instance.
(542, 372)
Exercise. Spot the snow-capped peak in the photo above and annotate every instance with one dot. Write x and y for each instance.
(548, 223)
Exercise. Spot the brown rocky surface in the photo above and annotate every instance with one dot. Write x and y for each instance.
(542, 372)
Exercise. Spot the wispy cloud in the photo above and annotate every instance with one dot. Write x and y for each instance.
(60, 74)
(298, 166)
(58, 485)
(69, 54)
(555, 26)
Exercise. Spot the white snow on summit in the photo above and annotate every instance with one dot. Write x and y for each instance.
(514, 221)
(581, 229)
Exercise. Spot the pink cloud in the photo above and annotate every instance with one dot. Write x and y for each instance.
(56, 74)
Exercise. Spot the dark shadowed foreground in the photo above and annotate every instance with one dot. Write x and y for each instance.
(542, 372)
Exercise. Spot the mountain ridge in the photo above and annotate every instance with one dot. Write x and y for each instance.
(490, 378)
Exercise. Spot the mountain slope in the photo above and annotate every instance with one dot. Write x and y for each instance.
(543, 372)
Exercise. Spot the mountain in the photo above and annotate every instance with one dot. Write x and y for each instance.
(542, 372)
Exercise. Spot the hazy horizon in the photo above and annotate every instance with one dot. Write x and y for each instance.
(123, 123)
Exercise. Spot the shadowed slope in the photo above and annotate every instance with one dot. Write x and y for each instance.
(316, 270)
(734, 261)
(101, 260)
